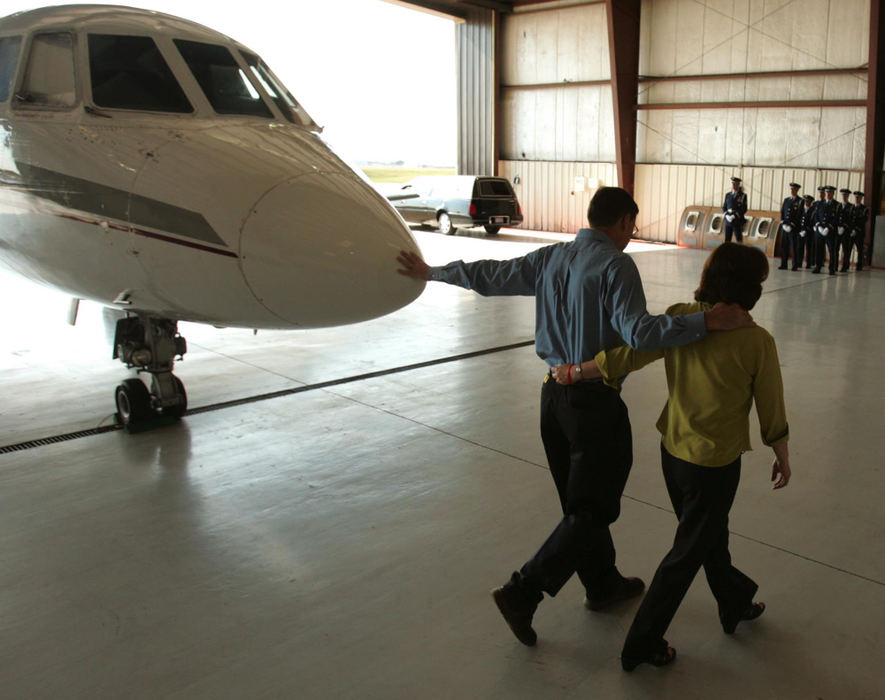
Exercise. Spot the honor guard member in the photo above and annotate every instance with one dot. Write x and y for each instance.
(811, 244)
(860, 212)
(735, 208)
(843, 229)
(825, 213)
(791, 212)
(805, 232)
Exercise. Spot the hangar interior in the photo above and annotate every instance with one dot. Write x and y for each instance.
(341, 541)
(328, 519)
(771, 91)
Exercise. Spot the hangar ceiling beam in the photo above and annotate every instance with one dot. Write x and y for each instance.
(444, 9)
(497, 5)
(753, 104)
(875, 143)
(758, 74)
(562, 83)
(623, 42)
(459, 9)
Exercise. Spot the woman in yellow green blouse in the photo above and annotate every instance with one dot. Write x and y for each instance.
(705, 428)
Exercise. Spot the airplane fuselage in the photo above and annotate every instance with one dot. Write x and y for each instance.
(228, 219)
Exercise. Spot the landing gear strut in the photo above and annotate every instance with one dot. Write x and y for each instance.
(150, 345)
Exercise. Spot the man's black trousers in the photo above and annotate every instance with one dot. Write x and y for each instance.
(586, 433)
(736, 229)
(798, 249)
(829, 246)
(849, 242)
(788, 245)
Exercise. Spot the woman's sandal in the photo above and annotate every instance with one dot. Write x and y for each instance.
(753, 611)
(655, 658)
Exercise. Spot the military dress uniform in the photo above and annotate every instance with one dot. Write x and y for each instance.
(811, 243)
(826, 212)
(791, 213)
(843, 229)
(735, 208)
(804, 233)
(860, 212)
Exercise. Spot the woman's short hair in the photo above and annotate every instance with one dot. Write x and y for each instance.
(609, 205)
(733, 274)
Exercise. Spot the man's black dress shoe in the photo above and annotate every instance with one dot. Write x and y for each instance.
(629, 588)
(663, 656)
(517, 616)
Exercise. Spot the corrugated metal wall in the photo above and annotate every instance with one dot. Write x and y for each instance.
(475, 41)
(686, 37)
(751, 37)
(555, 196)
(557, 131)
(552, 134)
(663, 191)
(564, 119)
(687, 156)
(794, 137)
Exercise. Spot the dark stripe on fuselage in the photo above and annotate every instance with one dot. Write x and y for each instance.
(109, 202)
(150, 234)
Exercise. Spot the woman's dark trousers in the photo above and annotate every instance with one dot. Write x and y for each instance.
(701, 498)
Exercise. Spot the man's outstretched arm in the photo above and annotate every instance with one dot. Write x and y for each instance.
(516, 276)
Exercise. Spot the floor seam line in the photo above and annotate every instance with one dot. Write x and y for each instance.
(415, 421)
(631, 498)
(770, 546)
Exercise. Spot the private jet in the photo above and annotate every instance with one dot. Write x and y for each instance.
(160, 168)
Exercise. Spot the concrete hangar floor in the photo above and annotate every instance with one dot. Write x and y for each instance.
(341, 542)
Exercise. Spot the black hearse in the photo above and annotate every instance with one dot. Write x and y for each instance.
(450, 201)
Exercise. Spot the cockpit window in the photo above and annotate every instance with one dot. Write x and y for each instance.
(129, 72)
(9, 46)
(227, 87)
(284, 100)
(49, 76)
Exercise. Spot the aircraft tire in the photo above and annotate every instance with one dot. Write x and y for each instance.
(133, 402)
(179, 410)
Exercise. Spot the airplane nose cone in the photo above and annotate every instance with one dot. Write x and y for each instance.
(334, 235)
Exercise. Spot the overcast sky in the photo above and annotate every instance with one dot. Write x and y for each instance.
(379, 77)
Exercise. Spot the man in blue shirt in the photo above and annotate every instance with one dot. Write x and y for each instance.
(588, 298)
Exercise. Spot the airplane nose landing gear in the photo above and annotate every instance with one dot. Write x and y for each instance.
(151, 345)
